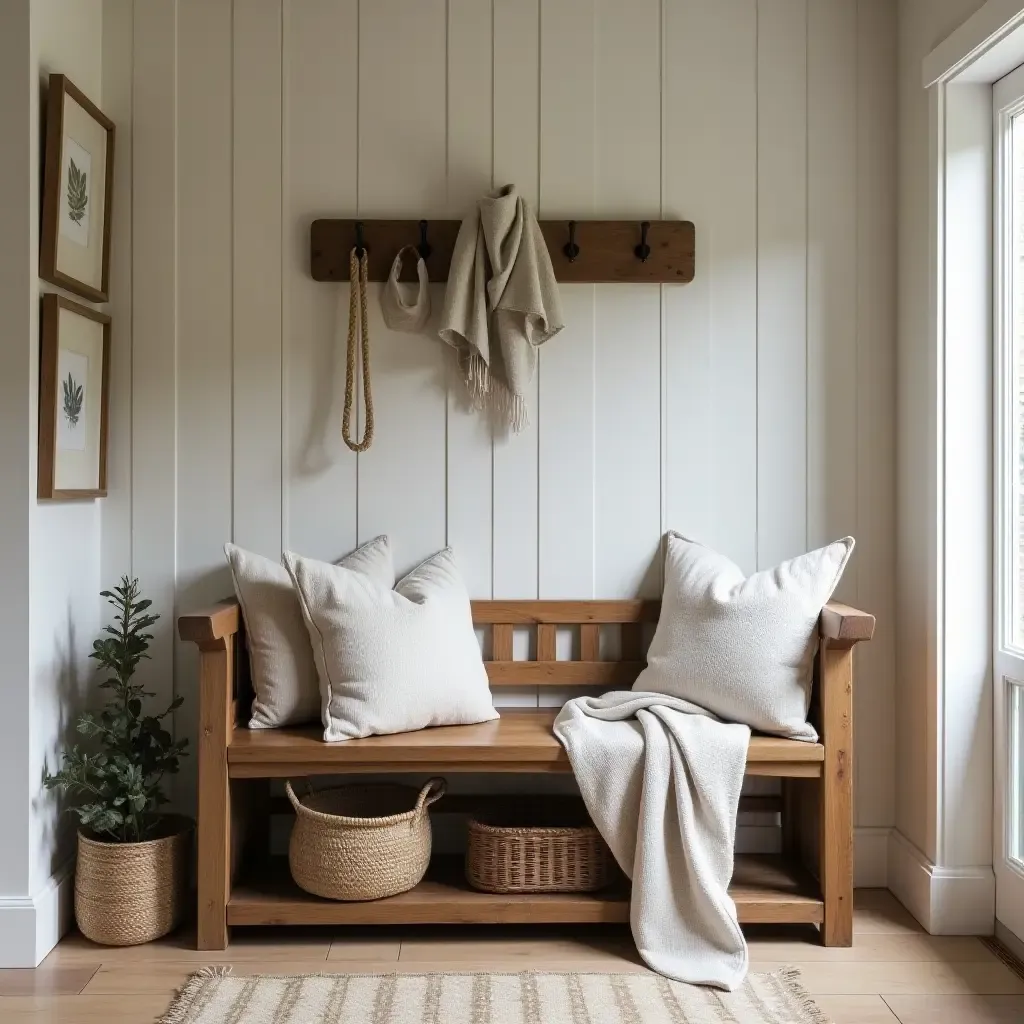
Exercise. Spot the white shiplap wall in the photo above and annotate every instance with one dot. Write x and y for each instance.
(752, 408)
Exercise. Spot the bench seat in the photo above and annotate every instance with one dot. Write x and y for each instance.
(239, 883)
(520, 741)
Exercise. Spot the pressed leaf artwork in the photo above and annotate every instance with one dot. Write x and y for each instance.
(78, 197)
(73, 395)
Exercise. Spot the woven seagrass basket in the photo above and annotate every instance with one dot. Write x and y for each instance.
(546, 846)
(129, 893)
(363, 841)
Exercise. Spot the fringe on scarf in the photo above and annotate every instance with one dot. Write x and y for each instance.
(486, 391)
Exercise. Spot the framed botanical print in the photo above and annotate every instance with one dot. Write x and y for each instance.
(74, 246)
(74, 379)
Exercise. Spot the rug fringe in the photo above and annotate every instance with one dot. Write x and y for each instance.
(790, 977)
(196, 982)
(186, 996)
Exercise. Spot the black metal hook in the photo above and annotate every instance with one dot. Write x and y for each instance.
(643, 250)
(424, 248)
(571, 249)
(360, 247)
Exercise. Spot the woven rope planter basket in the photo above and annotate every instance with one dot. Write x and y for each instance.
(361, 842)
(128, 893)
(547, 847)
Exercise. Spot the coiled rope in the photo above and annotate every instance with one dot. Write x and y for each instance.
(358, 274)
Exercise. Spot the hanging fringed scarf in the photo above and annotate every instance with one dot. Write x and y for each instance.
(358, 274)
(501, 303)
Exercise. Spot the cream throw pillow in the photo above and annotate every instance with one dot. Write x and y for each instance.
(742, 647)
(285, 683)
(392, 660)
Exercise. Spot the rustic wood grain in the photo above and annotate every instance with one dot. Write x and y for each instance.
(501, 642)
(546, 640)
(214, 798)
(60, 86)
(46, 488)
(764, 888)
(521, 737)
(564, 613)
(606, 249)
(548, 672)
(837, 792)
(214, 623)
(521, 741)
(841, 622)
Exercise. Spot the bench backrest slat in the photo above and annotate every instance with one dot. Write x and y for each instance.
(544, 620)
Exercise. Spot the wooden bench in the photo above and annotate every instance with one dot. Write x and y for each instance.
(240, 884)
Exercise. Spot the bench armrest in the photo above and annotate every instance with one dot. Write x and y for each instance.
(841, 622)
(210, 624)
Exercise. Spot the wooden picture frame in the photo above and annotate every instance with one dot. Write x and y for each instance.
(73, 418)
(74, 246)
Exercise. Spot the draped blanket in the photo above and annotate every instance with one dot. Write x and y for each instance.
(501, 302)
(661, 779)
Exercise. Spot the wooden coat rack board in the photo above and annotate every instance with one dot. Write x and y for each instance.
(607, 249)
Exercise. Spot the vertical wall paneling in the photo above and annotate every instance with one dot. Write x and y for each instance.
(874, 704)
(320, 124)
(711, 326)
(516, 135)
(565, 415)
(781, 279)
(566, 411)
(469, 449)
(154, 328)
(402, 172)
(257, 255)
(752, 408)
(204, 495)
(116, 518)
(832, 277)
(627, 338)
(516, 54)
(688, 186)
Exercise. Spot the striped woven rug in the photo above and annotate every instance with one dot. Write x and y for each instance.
(213, 996)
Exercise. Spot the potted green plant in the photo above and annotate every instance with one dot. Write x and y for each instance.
(131, 872)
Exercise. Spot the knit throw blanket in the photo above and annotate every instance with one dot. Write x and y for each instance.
(501, 303)
(662, 778)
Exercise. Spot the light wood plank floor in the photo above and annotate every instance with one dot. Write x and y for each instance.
(894, 972)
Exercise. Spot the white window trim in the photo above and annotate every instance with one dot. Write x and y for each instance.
(1008, 102)
(955, 891)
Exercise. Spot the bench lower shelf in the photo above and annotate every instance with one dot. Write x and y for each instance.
(766, 890)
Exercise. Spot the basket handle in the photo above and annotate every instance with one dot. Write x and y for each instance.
(295, 802)
(430, 794)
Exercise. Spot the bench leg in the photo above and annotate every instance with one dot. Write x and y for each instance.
(214, 798)
(836, 866)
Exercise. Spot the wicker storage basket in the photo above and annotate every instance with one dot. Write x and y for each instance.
(127, 893)
(337, 850)
(548, 846)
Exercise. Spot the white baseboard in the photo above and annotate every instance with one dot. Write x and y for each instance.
(871, 857)
(947, 901)
(32, 926)
(1009, 940)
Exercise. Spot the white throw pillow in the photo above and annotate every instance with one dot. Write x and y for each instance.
(742, 647)
(285, 684)
(392, 660)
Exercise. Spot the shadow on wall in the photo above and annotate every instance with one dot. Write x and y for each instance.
(321, 439)
(323, 435)
(74, 690)
(194, 590)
